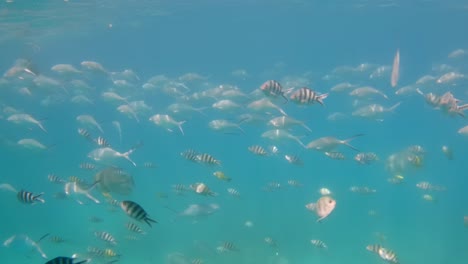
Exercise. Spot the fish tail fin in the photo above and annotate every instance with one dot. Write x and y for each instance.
(38, 197)
(285, 98)
(126, 155)
(346, 141)
(179, 124)
(322, 97)
(149, 221)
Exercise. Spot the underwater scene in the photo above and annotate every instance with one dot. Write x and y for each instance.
(233, 132)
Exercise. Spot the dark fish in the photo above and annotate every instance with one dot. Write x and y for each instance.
(136, 212)
(29, 198)
(307, 96)
(64, 260)
(85, 133)
(273, 88)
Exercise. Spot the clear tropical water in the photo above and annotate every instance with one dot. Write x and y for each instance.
(317, 44)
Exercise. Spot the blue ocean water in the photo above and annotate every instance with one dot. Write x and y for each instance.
(317, 44)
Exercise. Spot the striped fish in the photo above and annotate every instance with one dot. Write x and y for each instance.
(207, 159)
(85, 133)
(273, 88)
(229, 246)
(258, 150)
(294, 159)
(179, 188)
(335, 155)
(197, 261)
(104, 236)
(190, 154)
(87, 166)
(134, 228)
(294, 183)
(307, 96)
(366, 158)
(56, 239)
(149, 165)
(64, 260)
(102, 142)
(55, 179)
(136, 212)
(29, 198)
(388, 255)
(318, 243)
(233, 192)
(106, 253)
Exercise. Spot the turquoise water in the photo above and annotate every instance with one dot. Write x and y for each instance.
(242, 44)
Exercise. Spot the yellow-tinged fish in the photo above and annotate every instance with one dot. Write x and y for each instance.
(220, 175)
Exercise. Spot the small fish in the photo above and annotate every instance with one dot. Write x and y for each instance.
(233, 192)
(102, 142)
(190, 154)
(318, 243)
(149, 165)
(272, 186)
(365, 158)
(229, 246)
(134, 228)
(29, 197)
(429, 187)
(307, 96)
(56, 239)
(104, 236)
(273, 88)
(362, 190)
(220, 175)
(85, 133)
(87, 166)
(179, 188)
(106, 253)
(65, 260)
(335, 155)
(258, 150)
(323, 207)
(55, 179)
(201, 188)
(136, 212)
(294, 183)
(428, 198)
(294, 159)
(207, 159)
